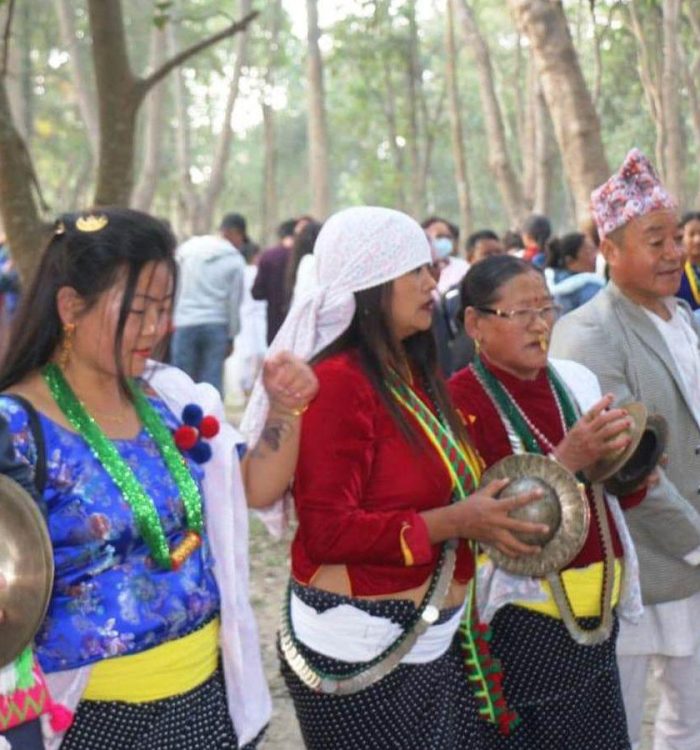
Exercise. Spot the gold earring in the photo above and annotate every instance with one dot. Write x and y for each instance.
(477, 345)
(66, 345)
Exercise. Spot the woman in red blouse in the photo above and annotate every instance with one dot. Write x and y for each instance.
(561, 680)
(370, 647)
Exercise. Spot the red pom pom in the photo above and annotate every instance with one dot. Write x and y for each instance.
(186, 437)
(209, 426)
(61, 717)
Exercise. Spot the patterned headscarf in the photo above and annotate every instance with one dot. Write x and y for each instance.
(634, 191)
(357, 249)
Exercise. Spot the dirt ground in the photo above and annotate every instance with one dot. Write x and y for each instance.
(269, 572)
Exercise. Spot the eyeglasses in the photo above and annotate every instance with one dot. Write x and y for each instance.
(525, 316)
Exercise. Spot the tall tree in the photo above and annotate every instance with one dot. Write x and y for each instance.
(504, 173)
(319, 173)
(120, 94)
(670, 99)
(456, 130)
(575, 120)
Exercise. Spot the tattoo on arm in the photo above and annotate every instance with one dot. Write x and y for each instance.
(274, 433)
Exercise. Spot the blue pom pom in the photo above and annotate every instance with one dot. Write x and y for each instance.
(192, 415)
(201, 452)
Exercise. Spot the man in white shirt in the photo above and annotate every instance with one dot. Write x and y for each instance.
(642, 344)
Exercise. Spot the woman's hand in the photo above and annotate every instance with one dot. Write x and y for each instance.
(600, 432)
(289, 382)
(485, 519)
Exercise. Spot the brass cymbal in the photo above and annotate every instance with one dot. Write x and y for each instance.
(563, 508)
(26, 562)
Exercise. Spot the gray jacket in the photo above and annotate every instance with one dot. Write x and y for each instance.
(615, 338)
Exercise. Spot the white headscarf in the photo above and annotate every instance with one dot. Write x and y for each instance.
(357, 249)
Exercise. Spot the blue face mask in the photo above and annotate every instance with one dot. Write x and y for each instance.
(443, 247)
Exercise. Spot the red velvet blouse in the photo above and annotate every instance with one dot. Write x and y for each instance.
(360, 486)
(491, 439)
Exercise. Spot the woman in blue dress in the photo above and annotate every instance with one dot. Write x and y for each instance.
(149, 635)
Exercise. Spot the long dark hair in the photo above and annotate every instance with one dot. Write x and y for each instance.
(89, 258)
(561, 250)
(370, 334)
(482, 282)
(303, 245)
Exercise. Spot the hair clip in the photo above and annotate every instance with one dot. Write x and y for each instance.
(91, 223)
(59, 228)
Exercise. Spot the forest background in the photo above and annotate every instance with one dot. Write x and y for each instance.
(478, 110)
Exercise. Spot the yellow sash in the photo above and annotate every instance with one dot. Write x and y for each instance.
(170, 669)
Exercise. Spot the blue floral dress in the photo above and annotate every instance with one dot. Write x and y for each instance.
(109, 597)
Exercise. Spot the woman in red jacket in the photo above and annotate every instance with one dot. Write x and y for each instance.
(556, 642)
(385, 493)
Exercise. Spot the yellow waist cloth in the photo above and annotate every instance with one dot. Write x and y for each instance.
(584, 588)
(170, 669)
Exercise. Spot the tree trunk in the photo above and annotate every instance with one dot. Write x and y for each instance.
(26, 234)
(413, 85)
(545, 156)
(118, 97)
(222, 152)
(528, 135)
(317, 131)
(270, 199)
(576, 123)
(20, 87)
(500, 163)
(83, 94)
(456, 133)
(673, 141)
(145, 190)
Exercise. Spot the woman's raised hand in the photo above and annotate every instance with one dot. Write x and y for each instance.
(601, 431)
(289, 382)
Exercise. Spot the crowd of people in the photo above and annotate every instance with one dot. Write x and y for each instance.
(395, 378)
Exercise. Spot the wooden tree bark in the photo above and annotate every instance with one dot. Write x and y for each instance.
(413, 86)
(83, 90)
(19, 196)
(500, 163)
(317, 129)
(649, 68)
(575, 120)
(466, 222)
(222, 152)
(270, 198)
(545, 156)
(145, 190)
(673, 142)
(120, 94)
(691, 69)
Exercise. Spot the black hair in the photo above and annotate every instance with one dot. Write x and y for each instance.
(476, 237)
(286, 228)
(370, 334)
(538, 228)
(480, 285)
(235, 221)
(303, 245)
(454, 229)
(89, 258)
(512, 240)
(561, 250)
(689, 216)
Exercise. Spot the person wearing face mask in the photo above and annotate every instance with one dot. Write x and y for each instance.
(444, 238)
(689, 289)
(642, 343)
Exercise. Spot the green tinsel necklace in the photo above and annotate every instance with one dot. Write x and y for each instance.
(145, 513)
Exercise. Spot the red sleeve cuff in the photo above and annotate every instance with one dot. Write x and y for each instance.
(415, 542)
(633, 499)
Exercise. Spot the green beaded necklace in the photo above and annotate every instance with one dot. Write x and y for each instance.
(145, 513)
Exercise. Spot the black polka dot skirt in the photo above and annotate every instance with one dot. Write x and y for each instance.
(196, 720)
(567, 695)
(415, 707)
